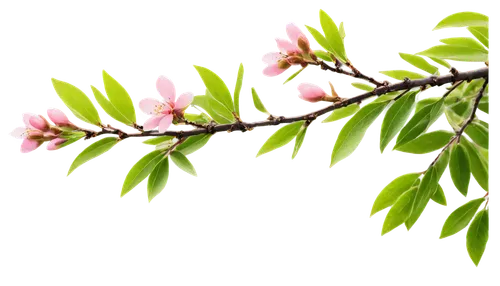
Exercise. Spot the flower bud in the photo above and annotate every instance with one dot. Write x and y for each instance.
(35, 134)
(310, 92)
(303, 45)
(59, 118)
(55, 144)
(283, 64)
(38, 122)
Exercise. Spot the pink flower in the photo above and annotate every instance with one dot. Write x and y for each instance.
(33, 133)
(290, 52)
(55, 143)
(59, 118)
(163, 112)
(310, 92)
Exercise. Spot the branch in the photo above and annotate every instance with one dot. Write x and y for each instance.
(274, 120)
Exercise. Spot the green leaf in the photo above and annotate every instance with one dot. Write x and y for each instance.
(343, 112)
(299, 139)
(109, 107)
(456, 53)
(363, 86)
(424, 102)
(354, 130)
(257, 101)
(442, 163)
(419, 62)
(477, 236)
(463, 19)
(402, 74)
(439, 196)
(282, 137)
(460, 218)
(96, 149)
(425, 191)
(77, 102)
(237, 89)
(320, 39)
(193, 143)
(427, 142)
(396, 117)
(332, 35)
(323, 55)
(141, 170)
(217, 87)
(342, 31)
(478, 133)
(158, 179)
(464, 42)
(183, 163)
(292, 76)
(420, 122)
(481, 33)
(393, 191)
(198, 118)
(400, 211)
(460, 168)
(441, 62)
(478, 164)
(157, 140)
(484, 104)
(119, 97)
(216, 110)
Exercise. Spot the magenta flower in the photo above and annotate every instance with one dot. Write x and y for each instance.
(36, 130)
(310, 92)
(163, 112)
(290, 52)
(59, 118)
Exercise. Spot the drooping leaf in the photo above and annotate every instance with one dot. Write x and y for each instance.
(478, 164)
(294, 75)
(96, 149)
(456, 53)
(400, 73)
(157, 140)
(464, 42)
(425, 191)
(119, 97)
(217, 87)
(484, 104)
(442, 162)
(257, 102)
(396, 117)
(282, 137)
(400, 211)
(363, 86)
(481, 33)
(477, 236)
(427, 142)
(463, 19)
(393, 191)
(460, 218)
(193, 143)
(420, 122)
(158, 179)
(439, 196)
(424, 102)
(332, 35)
(109, 107)
(141, 170)
(299, 139)
(354, 130)
(216, 110)
(479, 134)
(237, 89)
(419, 62)
(183, 163)
(77, 102)
(342, 113)
(460, 168)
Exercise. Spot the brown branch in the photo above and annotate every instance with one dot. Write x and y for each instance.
(276, 120)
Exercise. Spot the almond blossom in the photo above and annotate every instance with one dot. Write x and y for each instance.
(311, 92)
(35, 131)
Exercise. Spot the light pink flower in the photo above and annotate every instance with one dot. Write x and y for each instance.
(163, 112)
(310, 92)
(55, 143)
(59, 118)
(33, 132)
(278, 62)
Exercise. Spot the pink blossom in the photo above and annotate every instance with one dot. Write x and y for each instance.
(55, 143)
(33, 132)
(59, 118)
(310, 92)
(163, 112)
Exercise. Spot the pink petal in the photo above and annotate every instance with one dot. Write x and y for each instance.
(183, 101)
(19, 133)
(38, 122)
(294, 33)
(29, 145)
(286, 47)
(166, 88)
(165, 123)
(54, 143)
(150, 106)
(273, 70)
(153, 122)
(311, 92)
(58, 117)
(26, 119)
(272, 58)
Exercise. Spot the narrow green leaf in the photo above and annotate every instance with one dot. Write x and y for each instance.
(77, 102)
(442, 163)
(323, 55)
(343, 112)
(477, 236)
(183, 163)
(439, 196)
(294, 75)
(332, 35)
(393, 191)
(282, 137)
(424, 102)
(237, 89)
(464, 42)
(157, 140)
(441, 62)
(158, 179)
(216, 86)
(402, 74)
(96, 149)
(425, 191)
(419, 62)
(193, 143)
(299, 139)
(456, 53)
(216, 110)
(198, 118)
(363, 86)
(354, 130)
(460, 168)
(463, 19)
(427, 142)
(257, 103)
(109, 107)
(141, 170)
(478, 164)
(396, 117)
(481, 33)
(119, 97)
(484, 104)
(320, 39)
(460, 218)
(400, 211)
(342, 31)
(478, 133)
